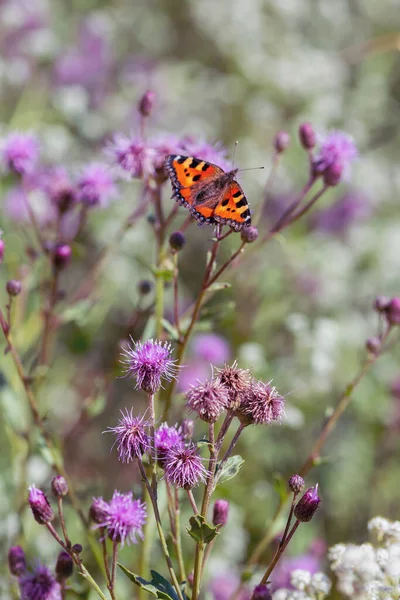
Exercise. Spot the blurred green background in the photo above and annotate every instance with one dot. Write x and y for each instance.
(299, 310)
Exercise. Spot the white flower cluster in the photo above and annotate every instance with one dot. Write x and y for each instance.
(370, 571)
(307, 587)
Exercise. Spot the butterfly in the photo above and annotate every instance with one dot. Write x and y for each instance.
(211, 194)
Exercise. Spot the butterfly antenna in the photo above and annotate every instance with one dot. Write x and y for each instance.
(234, 154)
(251, 169)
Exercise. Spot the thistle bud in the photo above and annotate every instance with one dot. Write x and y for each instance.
(64, 566)
(16, 561)
(281, 141)
(59, 486)
(62, 256)
(393, 311)
(77, 548)
(249, 234)
(221, 511)
(41, 509)
(381, 303)
(307, 136)
(261, 592)
(177, 240)
(373, 345)
(307, 505)
(13, 287)
(296, 484)
(146, 103)
(145, 286)
(333, 174)
(2, 248)
(98, 510)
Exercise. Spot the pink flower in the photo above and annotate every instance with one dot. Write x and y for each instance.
(20, 152)
(167, 437)
(262, 404)
(132, 440)
(124, 518)
(184, 467)
(149, 363)
(40, 584)
(212, 348)
(336, 148)
(95, 185)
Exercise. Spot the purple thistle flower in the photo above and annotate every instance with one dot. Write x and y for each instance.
(236, 381)
(16, 560)
(184, 467)
(20, 152)
(262, 404)
(212, 348)
(208, 399)
(215, 154)
(338, 218)
(149, 363)
(60, 189)
(40, 506)
(135, 158)
(39, 585)
(95, 185)
(124, 518)
(336, 148)
(167, 437)
(132, 440)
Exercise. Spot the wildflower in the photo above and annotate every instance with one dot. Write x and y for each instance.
(262, 404)
(41, 509)
(177, 240)
(146, 103)
(393, 311)
(16, 561)
(135, 158)
(59, 486)
(307, 505)
(236, 381)
(98, 510)
(13, 287)
(211, 347)
(20, 152)
(184, 467)
(95, 185)
(124, 518)
(132, 440)
(167, 437)
(39, 585)
(61, 256)
(208, 399)
(220, 512)
(60, 189)
(337, 148)
(261, 592)
(149, 363)
(64, 566)
(307, 136)
(281, 141)
(296, 484)
(249, 235)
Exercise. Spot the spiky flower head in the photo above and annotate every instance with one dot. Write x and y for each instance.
(41, 509)
(40, 584)
(96, 185)
(132, 440)
(16, 561)
(184, 467)
(236, 381)
(336, 149)
(307, 505)
(165, 438)
(20, 152)
(124, 518)
(132, 155)
(208, 399)
(262, 404)
(149, 363)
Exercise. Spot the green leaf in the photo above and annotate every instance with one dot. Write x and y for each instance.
(229, 469)
(201, 531)
(158, 586)
(215, 287)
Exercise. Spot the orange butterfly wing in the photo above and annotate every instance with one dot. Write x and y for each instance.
(233, 209)
(187, 171)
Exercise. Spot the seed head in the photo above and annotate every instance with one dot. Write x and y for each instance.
(20, 153)
(236, 381)
(307, 136)
(124, 518)
(262, 404)
(41, 509)
(13, 287)
(281, 141)
(208, 399)
(177, 240)
(59, 486)
(307, 505)
(39, 585)
(64, 566)
(393, 311)
(220, 512)
(296, 484)
(16, 561)
(165, 438)
(149, 363)
(184, 467)
(249, 235)
(132, 440)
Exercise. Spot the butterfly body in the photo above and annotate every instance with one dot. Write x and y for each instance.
(211, 194)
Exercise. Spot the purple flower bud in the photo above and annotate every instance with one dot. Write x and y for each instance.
(261, 592)
(20, 153)
(77, 548)
(132, 440)
(307, 136)
(381, 303)
(393, 311)
(208, 399)
(184, 467)
(41, 509)
(307, 505)
(149, 363)
(39, 585)
(59, 486)
(146, 103)
(62, 256)
(16, 561)
(13, 287)
(281, 141)
(373, 345)
(220, 512)
(145, 286)
(177, 240)
(333, 174)
(2, 249)
(296, 484)
(64, 566)
(249, 235)
(98, 510)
